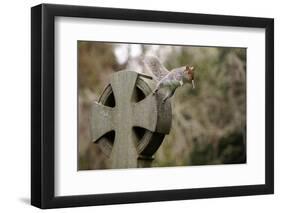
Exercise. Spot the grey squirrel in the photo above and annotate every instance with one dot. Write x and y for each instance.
(169, 80)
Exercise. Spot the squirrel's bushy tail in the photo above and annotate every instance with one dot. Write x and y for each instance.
(153, 64)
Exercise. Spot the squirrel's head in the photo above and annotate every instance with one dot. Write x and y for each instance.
(189, 74)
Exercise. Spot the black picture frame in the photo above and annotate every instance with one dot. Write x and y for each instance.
(43, 105)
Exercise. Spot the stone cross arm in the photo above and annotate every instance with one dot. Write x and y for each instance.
(128, 112)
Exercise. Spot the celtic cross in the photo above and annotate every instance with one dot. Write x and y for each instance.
(126, 114)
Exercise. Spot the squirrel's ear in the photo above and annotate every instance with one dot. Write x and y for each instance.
(189, 68)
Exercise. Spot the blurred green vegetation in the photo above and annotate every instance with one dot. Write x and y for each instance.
(209, 122)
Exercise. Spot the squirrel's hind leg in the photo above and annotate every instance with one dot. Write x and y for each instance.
(156, 88)
(169, 95)
(154, 91)
(166, 98)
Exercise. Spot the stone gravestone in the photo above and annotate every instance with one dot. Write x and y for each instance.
(128, 122)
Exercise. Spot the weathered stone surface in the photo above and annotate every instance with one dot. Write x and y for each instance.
(129, 122)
